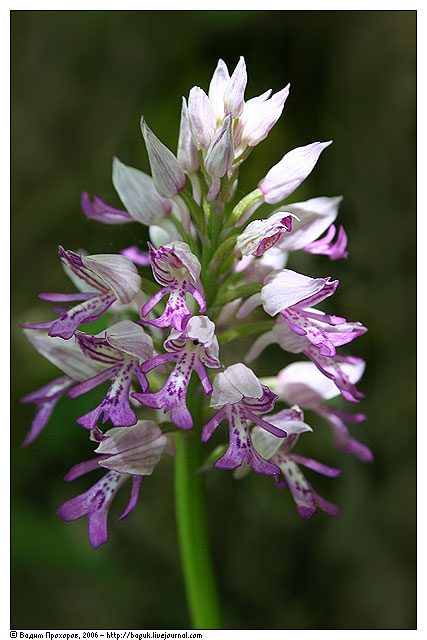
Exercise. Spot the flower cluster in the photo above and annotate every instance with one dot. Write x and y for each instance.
(219, 274)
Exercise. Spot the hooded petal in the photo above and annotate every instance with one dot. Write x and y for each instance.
(286, 288)
(220, 155)
(135, 450)
(261, 235)
(217, 87)
(130, 338)
(259, 116)
(234, 384)
(117, 272)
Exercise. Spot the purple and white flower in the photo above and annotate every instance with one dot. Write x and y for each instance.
(331, 367)
(121, 349)
(177, 269)
(241, 398)
(292, 295)
(104, 279)
(128, 453)
(302, 383)
(279, 452)
(191, 349)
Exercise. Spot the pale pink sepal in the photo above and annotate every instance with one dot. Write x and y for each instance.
(135, 450)
(260, 115)
(139, 195)
(285, 288)
(187, 153)
(168, 176)
(201, 117)
(291, 171)
(235, 90)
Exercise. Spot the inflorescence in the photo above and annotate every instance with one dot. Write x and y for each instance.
(213, 264)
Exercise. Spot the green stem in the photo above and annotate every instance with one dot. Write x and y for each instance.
(193, 536)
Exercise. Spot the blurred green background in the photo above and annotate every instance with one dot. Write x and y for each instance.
(80, 82)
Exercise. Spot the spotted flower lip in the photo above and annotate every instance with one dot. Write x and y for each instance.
(279, 453)
(104, 279)
(241, 397)
(291, 171)
(120, 349)
(261, 235)
(190, 349)
(177, 269)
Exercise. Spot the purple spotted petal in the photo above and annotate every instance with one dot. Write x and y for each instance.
(95, 503)
(88, 311)
(240, 446)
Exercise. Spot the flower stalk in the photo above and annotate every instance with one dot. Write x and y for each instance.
(191, 518)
